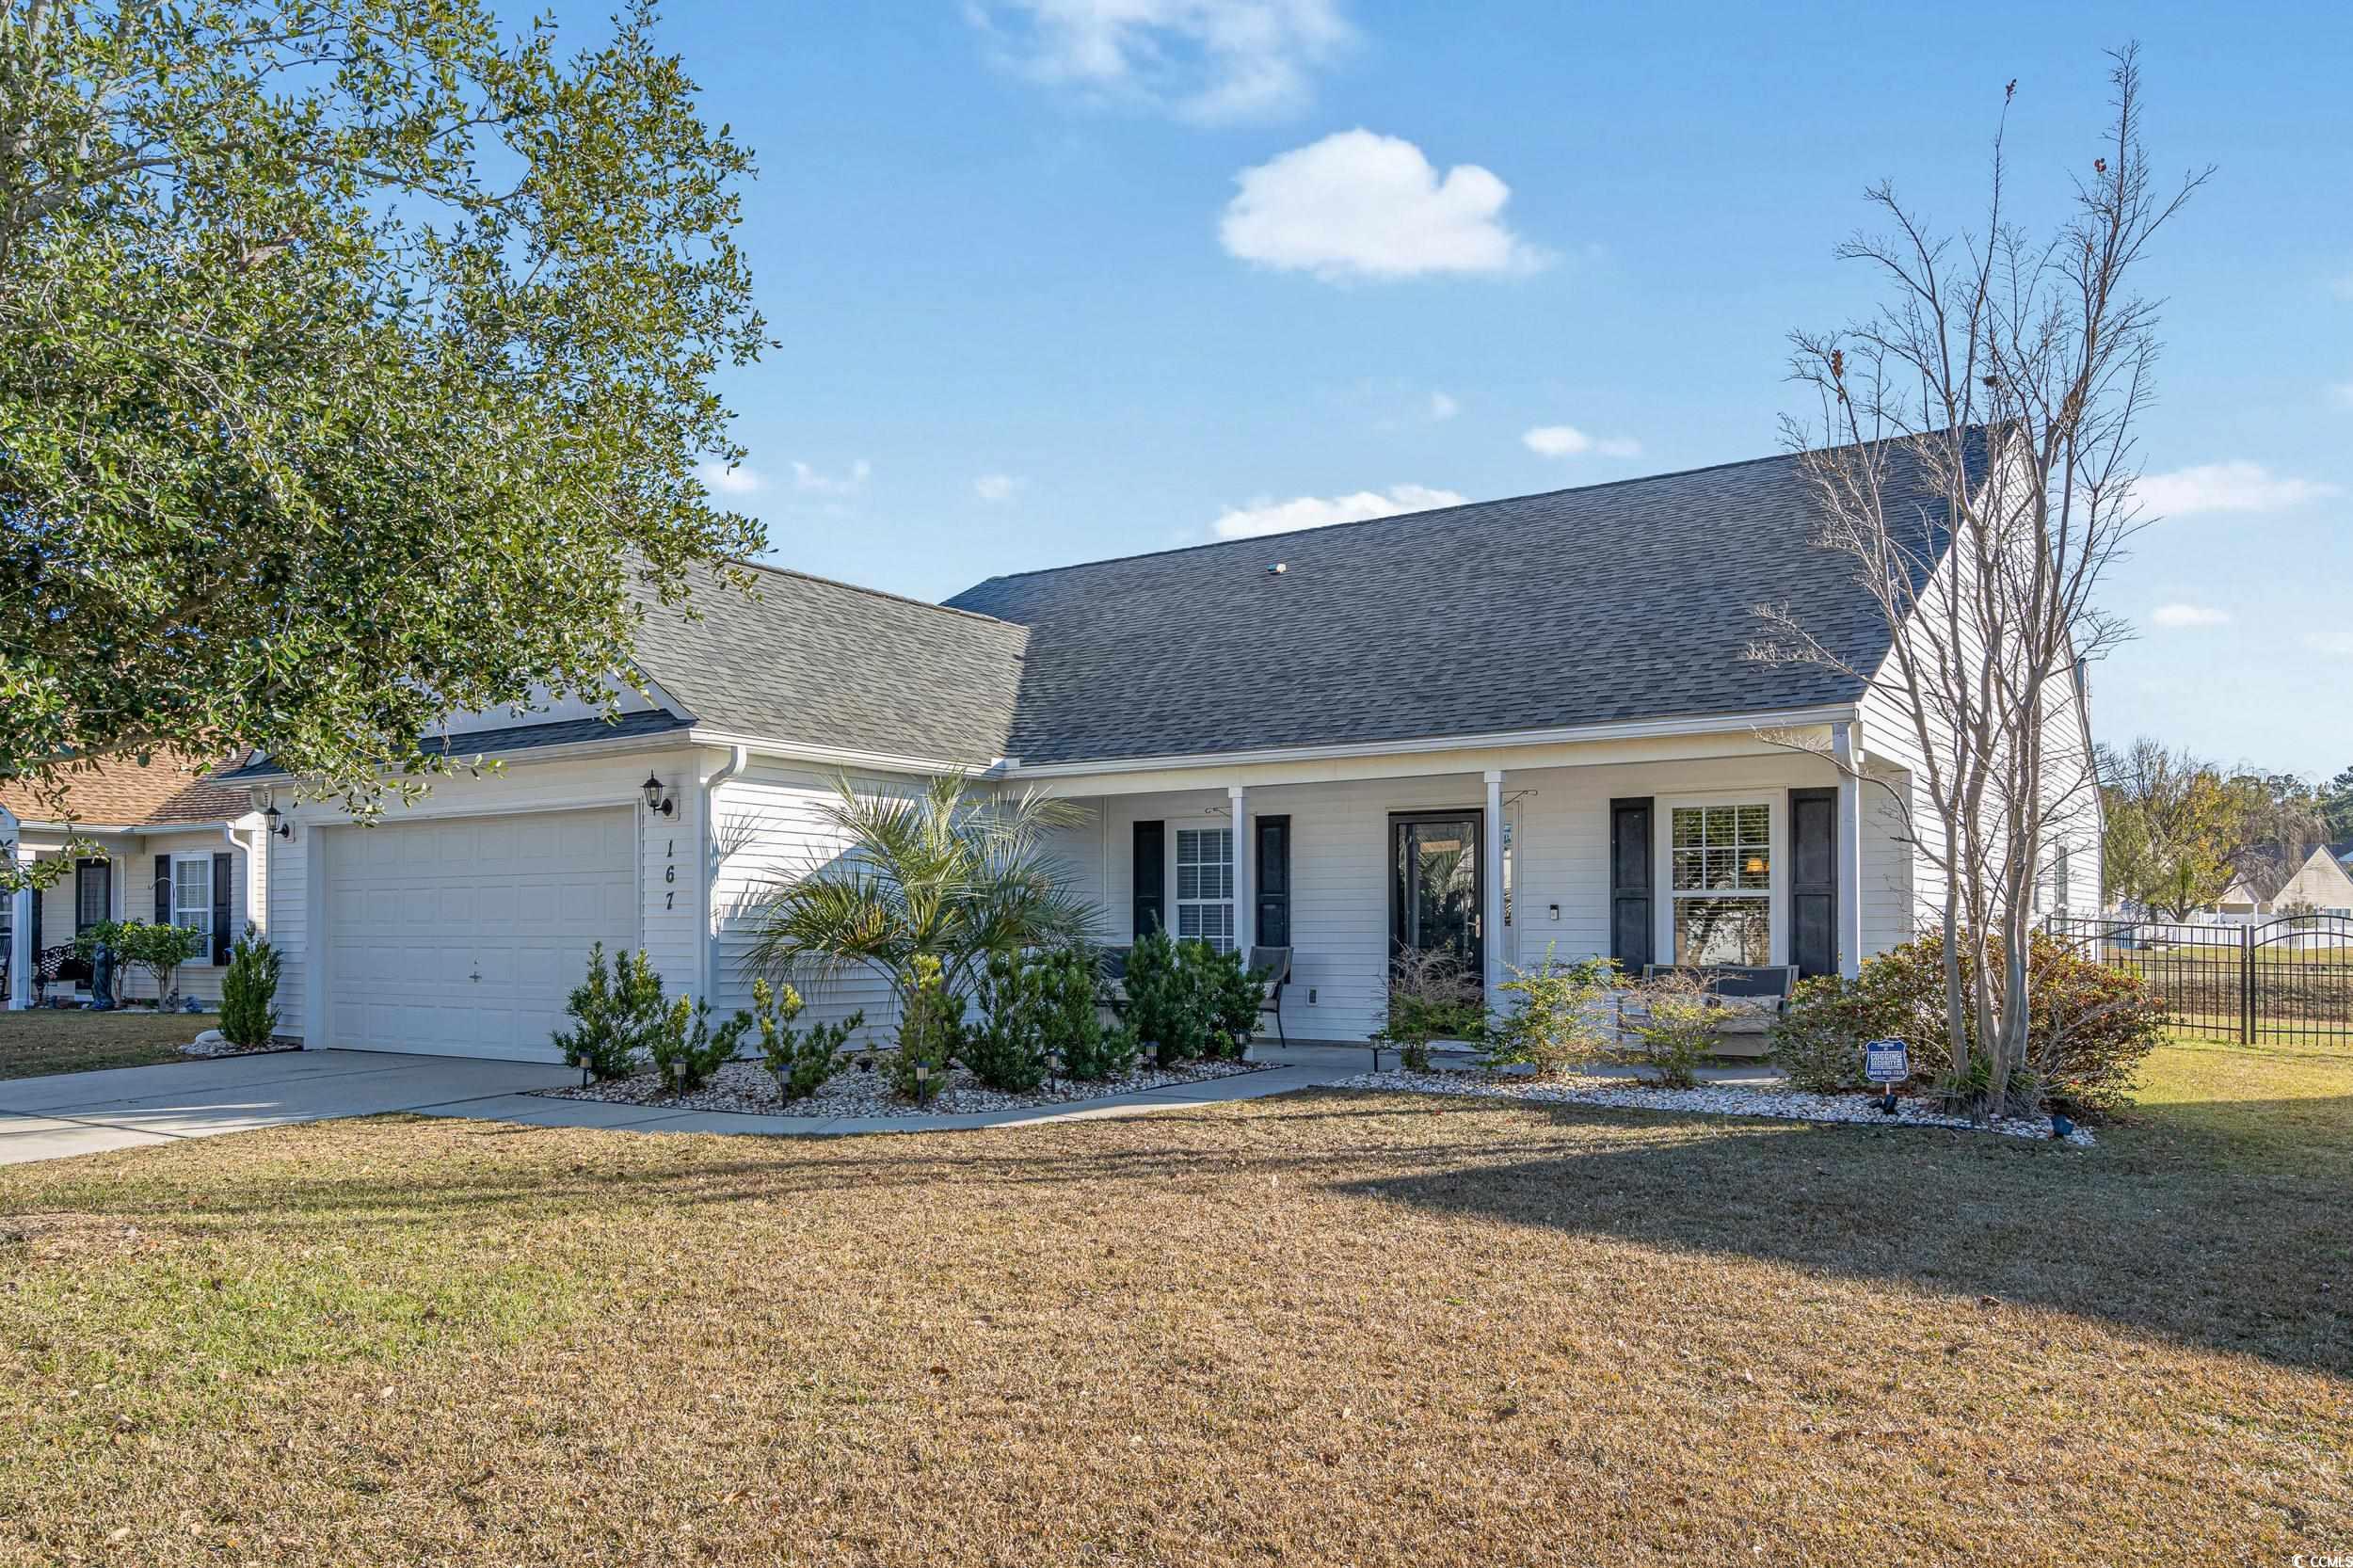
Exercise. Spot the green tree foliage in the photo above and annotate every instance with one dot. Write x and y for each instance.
(1073, 1020)
(931, 1029)
(2180, 830)
(355, 364)
(249, 991)
(1006, 1049)
(2336, 806)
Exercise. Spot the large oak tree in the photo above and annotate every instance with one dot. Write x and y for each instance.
(355, 364)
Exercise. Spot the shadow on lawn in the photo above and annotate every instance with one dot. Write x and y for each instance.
(2167, 1228)
(2150, 1232)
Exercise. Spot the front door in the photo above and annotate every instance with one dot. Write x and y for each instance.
(1434, 886)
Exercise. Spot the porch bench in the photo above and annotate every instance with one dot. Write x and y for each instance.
(1751, 997)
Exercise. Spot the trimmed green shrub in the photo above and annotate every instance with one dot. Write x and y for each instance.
(1229, 993)
(249, 991)
(1432, 996)
(1816, 1042)
(1565, 1016)
(687, 1050)
(931, 1029)
(1073, 1019)
(620, 1013)
(801, 1061)
(1668, 1024)
(1006, 1049)
(1162, 1003)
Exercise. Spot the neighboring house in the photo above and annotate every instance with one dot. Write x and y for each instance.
(173, 844)
(2285, 880)
(1508, 728)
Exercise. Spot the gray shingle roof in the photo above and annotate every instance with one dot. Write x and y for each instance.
(838, 666)
(511, 738)
(1611, 602)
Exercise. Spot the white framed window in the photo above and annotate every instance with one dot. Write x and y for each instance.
(192, 895)
(1205, 886)
(1720, 882)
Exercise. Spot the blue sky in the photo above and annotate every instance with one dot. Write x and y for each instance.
(1052, 285)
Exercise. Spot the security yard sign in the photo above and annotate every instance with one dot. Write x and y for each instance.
(1886, 1061)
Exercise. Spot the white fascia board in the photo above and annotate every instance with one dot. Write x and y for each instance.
(1633, 729)
(603, 745)
(843, 756)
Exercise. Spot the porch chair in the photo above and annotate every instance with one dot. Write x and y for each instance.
(1276, 965)
(56, 963)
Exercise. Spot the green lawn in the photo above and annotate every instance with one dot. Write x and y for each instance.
(69, 1040)
(1334, 1327)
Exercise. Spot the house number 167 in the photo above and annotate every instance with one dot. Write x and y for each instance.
(669, 873)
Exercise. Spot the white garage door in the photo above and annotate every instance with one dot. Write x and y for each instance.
(464, 938)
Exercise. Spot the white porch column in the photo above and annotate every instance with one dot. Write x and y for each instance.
(1490, 902)
(1246, 901)
(1846, 740)
(20, 936)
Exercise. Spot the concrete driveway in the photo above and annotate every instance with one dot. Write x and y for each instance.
(49, 1118)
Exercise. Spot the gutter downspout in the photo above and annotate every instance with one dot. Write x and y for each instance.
(252, 858)
(739, 757)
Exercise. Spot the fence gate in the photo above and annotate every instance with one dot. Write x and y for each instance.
(2285, 979)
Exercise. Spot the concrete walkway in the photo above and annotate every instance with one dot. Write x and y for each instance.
(53, 1118)
(69, 1114)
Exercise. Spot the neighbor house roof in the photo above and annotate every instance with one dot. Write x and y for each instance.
(119, 793)
(804, 659)
(1628, 600)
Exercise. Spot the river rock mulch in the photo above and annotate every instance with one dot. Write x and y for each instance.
(1708, 1100)
(747, 1086)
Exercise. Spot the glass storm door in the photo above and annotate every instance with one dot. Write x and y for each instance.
(1434, 897)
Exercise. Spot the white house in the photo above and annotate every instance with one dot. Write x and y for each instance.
(1511, 728)
(174, 845)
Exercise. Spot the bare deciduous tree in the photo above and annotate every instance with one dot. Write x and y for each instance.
(1974, 455)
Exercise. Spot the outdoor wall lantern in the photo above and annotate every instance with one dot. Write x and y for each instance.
(278, 824)
(657, 800)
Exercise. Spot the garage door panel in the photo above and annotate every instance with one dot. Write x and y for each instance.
(466, 937)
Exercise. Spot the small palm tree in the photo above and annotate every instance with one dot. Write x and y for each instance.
(948, 873)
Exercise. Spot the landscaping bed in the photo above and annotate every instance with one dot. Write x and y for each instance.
(1707, 1101)
(748, 1087)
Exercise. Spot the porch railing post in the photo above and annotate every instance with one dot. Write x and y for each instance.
(1245, 896)
(1491, 904)
(20, 954)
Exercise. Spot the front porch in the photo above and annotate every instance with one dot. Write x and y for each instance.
(177, 875)
(1723, 849)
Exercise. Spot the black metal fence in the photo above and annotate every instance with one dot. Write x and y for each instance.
(2285, 979)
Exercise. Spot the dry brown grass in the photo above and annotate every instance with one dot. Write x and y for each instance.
(72, 1040)
(1329, 1328)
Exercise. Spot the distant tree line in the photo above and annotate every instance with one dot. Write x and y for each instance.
(2181, 829)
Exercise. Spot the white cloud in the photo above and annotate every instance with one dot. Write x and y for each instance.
(741, 479)
(1442, 406)
(1360, 205)
(2182, 616)
(1212, 61)
(1567, 440)
(2233, 487)
(2335, 644)
(1314, 511)
(810, 482)
(996, 487)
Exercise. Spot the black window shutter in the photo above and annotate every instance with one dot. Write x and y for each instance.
(1273, 882)
(221, 934)
(37, 902)
(163, 890)
(1631, 885)
(1150, 878)
(1814, 881)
